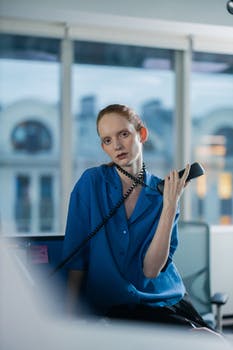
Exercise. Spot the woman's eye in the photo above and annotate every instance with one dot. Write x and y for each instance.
(107, 141)
(124, 133)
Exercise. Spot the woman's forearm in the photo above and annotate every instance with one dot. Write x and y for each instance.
(158, 250)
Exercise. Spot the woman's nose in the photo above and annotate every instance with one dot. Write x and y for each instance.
(117, 144)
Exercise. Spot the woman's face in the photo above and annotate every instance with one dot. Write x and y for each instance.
(119, 139)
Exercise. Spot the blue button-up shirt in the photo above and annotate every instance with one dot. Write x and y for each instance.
(113, 258)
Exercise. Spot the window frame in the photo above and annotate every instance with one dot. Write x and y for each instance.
(141, 32)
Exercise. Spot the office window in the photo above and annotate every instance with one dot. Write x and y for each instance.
(212, 136)
(140, 77)
(30, 133)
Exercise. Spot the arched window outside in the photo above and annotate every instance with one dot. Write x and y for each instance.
(32, 137)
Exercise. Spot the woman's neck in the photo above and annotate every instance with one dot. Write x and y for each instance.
(132, 169)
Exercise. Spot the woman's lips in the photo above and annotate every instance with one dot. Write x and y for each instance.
(121, 155)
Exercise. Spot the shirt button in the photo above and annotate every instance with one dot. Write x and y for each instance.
(124, 231)
(131, 291)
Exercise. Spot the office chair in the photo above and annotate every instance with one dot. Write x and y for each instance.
(192, 259)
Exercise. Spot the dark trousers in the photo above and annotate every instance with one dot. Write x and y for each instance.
(180, 314)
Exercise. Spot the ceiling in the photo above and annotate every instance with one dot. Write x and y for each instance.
(208, 12)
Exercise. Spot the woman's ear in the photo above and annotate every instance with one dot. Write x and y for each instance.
(143, 134)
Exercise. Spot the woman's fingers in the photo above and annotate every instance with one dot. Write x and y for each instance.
(175, 183)
(186, 173)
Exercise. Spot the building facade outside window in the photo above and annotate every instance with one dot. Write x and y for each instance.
(30, 134)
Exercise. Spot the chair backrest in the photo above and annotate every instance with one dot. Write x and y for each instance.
(192, 261)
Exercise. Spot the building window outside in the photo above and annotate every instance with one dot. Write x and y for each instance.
(29, 125)
(23, 204)
(32, 137)
(140, 77)
(46, 211)
(212, 135)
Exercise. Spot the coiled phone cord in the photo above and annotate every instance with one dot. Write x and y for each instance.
(136, 181)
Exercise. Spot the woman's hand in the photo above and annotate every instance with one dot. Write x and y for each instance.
(174, 186)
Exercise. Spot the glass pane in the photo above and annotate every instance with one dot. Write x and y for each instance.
(140, 77)
(29, 144)
(212, 136)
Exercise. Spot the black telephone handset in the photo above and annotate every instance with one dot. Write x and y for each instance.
(195, 170)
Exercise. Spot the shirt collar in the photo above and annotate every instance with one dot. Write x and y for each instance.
(151, 181)
(111, 176)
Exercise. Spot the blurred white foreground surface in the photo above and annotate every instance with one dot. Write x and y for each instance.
(24, 325)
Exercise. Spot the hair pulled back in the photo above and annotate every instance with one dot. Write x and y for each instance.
(123, 110)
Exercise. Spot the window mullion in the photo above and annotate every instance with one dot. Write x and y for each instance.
(183, 61)
(66, 128)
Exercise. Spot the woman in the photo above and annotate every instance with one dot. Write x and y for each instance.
(126, 269)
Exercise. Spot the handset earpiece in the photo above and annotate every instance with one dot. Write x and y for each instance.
(195, 170)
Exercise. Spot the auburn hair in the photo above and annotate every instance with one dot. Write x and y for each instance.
(124, 111)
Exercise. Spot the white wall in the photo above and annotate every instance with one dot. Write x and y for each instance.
(221, 262)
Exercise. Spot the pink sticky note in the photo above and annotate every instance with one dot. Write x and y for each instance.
(38, 254)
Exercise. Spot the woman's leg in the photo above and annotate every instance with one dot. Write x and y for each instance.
(183, 313)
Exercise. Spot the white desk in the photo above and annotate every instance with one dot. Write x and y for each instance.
(221, 263)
